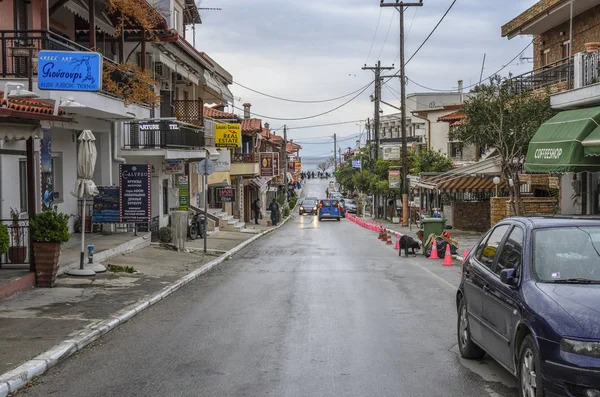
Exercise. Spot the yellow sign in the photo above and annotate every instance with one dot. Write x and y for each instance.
(228, 135)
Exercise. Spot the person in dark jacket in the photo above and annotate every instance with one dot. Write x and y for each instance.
(256, 209)
(274, 208)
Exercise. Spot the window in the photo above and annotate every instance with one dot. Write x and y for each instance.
(176, 20)
(564, 50)
(545, 55)
(57, 177)
(165, 192)
(23, 185)
(511, 256)
(455, 150)
(490, 248)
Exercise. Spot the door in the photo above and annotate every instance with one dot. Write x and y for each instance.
(502, 311)
(477, 271)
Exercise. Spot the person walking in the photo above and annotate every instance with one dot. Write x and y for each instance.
(256, 209)
(274, 208)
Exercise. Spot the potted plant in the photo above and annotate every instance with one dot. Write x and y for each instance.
(592, 46)
(4, 239)
(17, 251)
(49, 229)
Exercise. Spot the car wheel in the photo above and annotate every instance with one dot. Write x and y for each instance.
(468, 349)
(530, 377)
(338, 219)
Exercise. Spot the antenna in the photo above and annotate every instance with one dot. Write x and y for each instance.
(523, 59)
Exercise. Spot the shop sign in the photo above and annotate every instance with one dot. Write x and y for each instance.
(267, 164)
(298, 166)
(276, 167)
(183, 185)
(174, 166)
(223, 163)
(134, 184)
(394, 179)
(106, 205)
(356, 164)
(391, 152)
(69, 71)
(228, 135)
(225, 194)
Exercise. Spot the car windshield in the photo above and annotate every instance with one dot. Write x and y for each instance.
(308, 203)
(351, 202)
(568, 254)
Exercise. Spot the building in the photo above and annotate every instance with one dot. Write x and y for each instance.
(457, 151)
(566, 145)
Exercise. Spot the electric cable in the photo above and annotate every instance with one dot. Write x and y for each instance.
(297, 100)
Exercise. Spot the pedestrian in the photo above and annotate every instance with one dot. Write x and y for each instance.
(256, 208)
(274, 208)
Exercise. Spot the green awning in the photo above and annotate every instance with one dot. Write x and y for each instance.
(557, 145)
(591, 144)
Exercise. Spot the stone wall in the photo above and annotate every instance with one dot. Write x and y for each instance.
(471, 216)
(500, 207)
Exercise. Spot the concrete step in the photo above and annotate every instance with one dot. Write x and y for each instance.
(226, 218)
(240, 225)
(232, 221)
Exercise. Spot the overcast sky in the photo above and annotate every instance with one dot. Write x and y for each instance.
(314, 49)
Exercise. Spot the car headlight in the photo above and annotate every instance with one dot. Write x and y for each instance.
(315, 208)
(301, 208)
(591, 349)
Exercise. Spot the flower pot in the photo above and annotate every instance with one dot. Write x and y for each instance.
(17, 254)
(46, 263)
(592, 46)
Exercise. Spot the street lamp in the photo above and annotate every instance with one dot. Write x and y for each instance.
(496, 181)
(19, 93)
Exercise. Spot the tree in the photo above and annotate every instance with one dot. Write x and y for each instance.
(431, 161)
(326, 164)
(500, 117)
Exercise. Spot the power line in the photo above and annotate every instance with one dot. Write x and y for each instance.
(386, 36)
(328, 142)
(324, 125)
(374, 36)
(296, 100)
(309, 117)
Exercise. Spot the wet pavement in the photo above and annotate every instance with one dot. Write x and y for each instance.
(315, 309)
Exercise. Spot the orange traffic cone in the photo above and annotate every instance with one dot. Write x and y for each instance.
(389, 238)
(434, 254)
(448, 256)
(380, 233)
(397, 246)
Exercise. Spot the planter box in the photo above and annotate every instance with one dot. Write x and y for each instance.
(46, 263)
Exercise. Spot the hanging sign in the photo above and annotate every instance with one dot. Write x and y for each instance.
(184, 192)
(174, 166)
(266, 164)
(70, 71)
(298, 166)
(228, 135)
(356, 164)
(223, 163)
(276, 167)
(391, 152)
(225, 195)
(134, 184)
(394, 179)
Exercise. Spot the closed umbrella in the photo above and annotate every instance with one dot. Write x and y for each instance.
(85, 188)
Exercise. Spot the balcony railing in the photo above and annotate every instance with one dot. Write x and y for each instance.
(189, 111)
(16, 45)
(162, 134)
(546, 77)
(244, 158)
(590, 68)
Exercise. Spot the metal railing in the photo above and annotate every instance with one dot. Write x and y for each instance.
(244, 158)
(186, 138)
(18, 242)
(546, 76)
(590, 65)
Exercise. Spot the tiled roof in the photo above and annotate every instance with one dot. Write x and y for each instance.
(452, 117)
(217, 114)
(29, 105)
(251, 126)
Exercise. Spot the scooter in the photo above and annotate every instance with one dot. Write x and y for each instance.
(196, 226)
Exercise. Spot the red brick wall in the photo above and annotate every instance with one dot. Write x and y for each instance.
(472, 216)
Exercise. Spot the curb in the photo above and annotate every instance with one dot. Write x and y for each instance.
(20, 376)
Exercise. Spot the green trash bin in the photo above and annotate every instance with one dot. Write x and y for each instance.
(432, 225)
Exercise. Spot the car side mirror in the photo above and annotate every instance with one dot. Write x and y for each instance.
(509, 277)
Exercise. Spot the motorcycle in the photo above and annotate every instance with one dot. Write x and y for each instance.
(196, 226)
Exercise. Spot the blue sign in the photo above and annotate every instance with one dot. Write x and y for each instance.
(69, 71)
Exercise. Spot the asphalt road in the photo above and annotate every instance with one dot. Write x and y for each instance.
(315, 309)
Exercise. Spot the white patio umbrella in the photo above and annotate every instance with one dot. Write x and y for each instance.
(85, 188)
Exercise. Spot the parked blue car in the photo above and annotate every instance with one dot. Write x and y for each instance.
(329, 209)
(530, 298)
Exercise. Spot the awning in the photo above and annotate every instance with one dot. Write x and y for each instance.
(81, 9)
(213, 153)
(172, 64)
(211, 82)
(558, 147)
(227, 95)
(471, 184)
(261, 183)
(16, 132)
(591, 144)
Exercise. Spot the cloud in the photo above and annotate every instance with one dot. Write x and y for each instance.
(315, 49)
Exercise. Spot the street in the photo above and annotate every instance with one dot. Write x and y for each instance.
(314, 309)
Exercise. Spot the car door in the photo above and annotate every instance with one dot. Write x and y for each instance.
(476, 274)
(501, 310)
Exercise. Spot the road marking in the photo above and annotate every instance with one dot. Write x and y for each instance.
(435, 275)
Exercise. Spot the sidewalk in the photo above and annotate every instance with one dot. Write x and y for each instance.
(36, 320)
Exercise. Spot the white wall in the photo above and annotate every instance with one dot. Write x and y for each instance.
(9, 167)
(64, 147)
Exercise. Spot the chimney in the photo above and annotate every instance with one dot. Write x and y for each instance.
(266, 126)
(357, 144)
(247, 110)
(460, 90)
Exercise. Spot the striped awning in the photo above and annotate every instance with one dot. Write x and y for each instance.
(484, 183)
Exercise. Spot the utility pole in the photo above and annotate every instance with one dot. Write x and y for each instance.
(400, 7)
(377, 69)
(369, 138)
(334, 153)
(285, 159)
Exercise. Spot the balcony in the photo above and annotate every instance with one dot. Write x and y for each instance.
(586, 83)
(17, 45)
(189, 111)
(169, 138)
(554, 76)
(245, 164)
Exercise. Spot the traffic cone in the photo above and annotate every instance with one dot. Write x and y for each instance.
(380, 233)
(389, 238)
(448, 256)
(434, 254)
(397, 246)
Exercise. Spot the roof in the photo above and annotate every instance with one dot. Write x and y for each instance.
(529, 15)
(30, 109)
(452, 117)
(555, 221)
(441, 108)
(483, 183)
(251, 126)
(218, 114)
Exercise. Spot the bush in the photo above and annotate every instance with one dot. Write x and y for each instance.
(286, 211)
(293, 202)
(50, 227)
(4, 239)
(164, 234)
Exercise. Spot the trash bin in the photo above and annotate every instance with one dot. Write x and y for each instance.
(432, 225)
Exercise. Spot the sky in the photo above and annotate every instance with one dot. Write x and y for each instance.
(313, 50)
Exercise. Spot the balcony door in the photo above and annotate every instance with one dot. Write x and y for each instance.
(20, 20)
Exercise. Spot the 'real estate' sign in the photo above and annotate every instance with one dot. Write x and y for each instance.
(134, 184)
(228, 135)
(69, 71)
